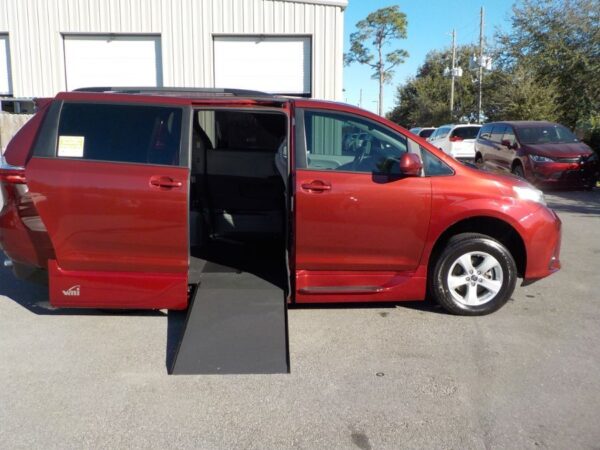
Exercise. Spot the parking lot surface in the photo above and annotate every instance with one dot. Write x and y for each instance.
(398, 376)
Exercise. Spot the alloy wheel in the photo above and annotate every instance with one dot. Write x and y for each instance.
(475, 278)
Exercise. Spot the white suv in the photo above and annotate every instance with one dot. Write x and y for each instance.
(456, 140)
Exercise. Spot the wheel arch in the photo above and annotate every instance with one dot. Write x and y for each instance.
(493, 227)
(517, 162)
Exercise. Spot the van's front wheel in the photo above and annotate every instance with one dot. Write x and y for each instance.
(474, 275)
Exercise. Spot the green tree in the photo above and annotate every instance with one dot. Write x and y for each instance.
(518, 95)
(381, 27)
(557, 43)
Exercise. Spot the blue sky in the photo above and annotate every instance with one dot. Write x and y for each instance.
(430, 24)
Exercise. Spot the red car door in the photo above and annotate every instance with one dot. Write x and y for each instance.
(110, 186)
(360, 227)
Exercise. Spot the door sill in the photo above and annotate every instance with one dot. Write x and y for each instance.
(320, 290)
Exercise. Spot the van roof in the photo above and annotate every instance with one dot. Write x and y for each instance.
(175, 95)
(176, 91)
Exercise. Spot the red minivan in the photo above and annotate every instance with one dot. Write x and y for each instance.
(122, 198)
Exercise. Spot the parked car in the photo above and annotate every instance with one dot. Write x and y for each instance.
(545, 153)
(423, 132)
(122, 197)
(457, 140)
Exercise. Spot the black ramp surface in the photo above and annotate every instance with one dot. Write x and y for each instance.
(236, 324)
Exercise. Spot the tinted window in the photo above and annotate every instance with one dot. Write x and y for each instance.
(237, 130)
(433, 165)
(509, 135)
(426, 133)
(126, 133)
(349, 143)
(465, 132)
(486, 131)
(497, 133)
(545, 134)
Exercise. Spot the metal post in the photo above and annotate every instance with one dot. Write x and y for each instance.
(479, 110)
(452, 72)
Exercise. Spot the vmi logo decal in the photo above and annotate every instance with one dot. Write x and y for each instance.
(73, 291)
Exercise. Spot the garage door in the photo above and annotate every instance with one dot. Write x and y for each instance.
(272, 64)
(5, 85)
(112, 61)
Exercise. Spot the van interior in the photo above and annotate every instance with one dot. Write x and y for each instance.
(238, 186)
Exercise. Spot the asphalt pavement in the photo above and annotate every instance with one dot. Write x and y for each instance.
(403, 376)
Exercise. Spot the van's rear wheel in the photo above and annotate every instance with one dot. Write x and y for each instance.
(474, 275)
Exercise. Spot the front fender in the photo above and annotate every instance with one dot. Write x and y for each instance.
(455, 200)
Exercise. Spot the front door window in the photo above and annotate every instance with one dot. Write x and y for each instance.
(349, 144)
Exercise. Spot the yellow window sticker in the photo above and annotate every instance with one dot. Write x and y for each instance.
(71, 146)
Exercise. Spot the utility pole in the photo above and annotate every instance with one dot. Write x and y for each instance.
(452, 72)
(360, 99)
(479, 111)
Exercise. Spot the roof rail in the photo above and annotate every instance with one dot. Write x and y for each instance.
(176, 91)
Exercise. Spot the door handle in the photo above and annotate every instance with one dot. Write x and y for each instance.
(316, 186)
(164, 182)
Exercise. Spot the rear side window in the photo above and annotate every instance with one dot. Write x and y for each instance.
(465, 132)
(497, 133)
(122, 133)
(248, 131)
(426, 133)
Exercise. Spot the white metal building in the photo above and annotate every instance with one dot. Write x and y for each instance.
(282, 46)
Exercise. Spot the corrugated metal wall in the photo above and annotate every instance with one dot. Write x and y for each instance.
(186, 28)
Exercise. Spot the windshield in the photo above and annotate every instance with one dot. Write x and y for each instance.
(545, 134)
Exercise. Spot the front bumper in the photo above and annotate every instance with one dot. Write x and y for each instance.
(542, 244)
(564, 175)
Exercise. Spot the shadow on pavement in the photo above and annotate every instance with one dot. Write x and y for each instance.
(428, 305)
(584, 203)
(175, 327)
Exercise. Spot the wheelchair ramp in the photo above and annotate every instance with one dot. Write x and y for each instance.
(236, 324)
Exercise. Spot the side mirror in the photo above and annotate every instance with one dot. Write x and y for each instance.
(508, 144)
(411, 165)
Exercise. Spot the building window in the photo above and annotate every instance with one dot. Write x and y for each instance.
(5, 75)
(112, 60)
(275, 64)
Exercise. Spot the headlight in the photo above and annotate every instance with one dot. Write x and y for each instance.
(541, 159)
(529, 193)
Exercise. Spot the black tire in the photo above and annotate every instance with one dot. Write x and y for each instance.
(474, 244)
(479, 161)
(518, 171)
